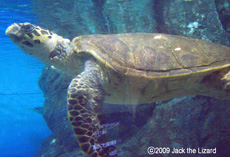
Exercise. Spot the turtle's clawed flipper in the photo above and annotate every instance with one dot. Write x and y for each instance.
(226, 81)
(85, 96)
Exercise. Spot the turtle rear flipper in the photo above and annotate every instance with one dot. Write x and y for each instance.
(85, 96)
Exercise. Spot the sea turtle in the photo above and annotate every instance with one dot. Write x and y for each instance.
(131, 68)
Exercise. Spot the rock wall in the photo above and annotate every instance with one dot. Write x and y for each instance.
(197, 19)
(79, 17)
(190, 122)
(194, 121)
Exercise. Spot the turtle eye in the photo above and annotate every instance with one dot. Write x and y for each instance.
(28, 27)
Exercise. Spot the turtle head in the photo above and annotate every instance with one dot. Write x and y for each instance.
(35, 41)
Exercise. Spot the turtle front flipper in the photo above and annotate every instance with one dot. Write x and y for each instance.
(85, 96)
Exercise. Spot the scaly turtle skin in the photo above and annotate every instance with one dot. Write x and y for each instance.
(125, 69)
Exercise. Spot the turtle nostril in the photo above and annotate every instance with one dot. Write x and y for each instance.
(13, 29)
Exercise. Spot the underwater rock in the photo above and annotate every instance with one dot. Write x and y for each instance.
(53, 147)
(54, 87)
(73, 18)
(189, 122)
(192, 18)
(223, 9)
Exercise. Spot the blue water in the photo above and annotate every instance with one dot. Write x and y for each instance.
(22, 130)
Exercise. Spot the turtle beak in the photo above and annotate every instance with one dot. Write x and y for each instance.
(14, 33)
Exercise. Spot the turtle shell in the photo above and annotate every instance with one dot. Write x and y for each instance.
(154, 55)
